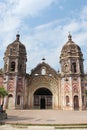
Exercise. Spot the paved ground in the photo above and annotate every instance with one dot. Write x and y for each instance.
(46, 117)
(9, 127)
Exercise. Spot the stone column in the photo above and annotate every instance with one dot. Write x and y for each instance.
(71, 94)
(80, 94)
(55, 101)
(15, 91)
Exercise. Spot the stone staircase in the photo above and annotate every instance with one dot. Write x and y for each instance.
(71, 126)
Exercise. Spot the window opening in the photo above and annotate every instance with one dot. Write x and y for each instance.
(43, 71)
(13, 66)
(74, 67)
(18, 100)
(67, 100)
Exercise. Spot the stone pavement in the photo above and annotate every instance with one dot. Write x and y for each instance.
(40, 117)
(46, 117)
(10, 127)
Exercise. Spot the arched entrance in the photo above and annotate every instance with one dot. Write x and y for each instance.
(42, 103)
(43, 98)
(10, 101)
(67, 100)
(76, 103)
(18, 100)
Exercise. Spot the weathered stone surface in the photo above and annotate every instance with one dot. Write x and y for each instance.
(44, 87)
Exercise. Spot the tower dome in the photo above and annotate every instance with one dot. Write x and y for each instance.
(15, 48)
(15, 72)
(15, 57)
(70, 48)
(72, 75)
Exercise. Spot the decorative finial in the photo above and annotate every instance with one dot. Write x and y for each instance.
(43, 59)
(18, 36)
(69, 37)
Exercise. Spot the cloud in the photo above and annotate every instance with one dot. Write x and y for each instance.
(61, 7)
(83, 13)
(21, 9)
(48, 39)
(45, 40)
(32, 7)
(14, 12)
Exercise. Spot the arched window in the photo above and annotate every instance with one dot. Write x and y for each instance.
(74, 67)
(10, 96)
(12, 66)
(43, 71)
(18, 100)
(83, 100)
(76, 102)
(67, 100)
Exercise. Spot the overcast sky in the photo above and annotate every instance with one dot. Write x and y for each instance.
(43, 26)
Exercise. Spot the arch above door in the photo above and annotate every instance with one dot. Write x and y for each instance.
(43, 98)
(76, 102)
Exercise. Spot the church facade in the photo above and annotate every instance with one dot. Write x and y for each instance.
(44, 88)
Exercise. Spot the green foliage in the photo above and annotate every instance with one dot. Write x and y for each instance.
(86, 92)
(3, 92)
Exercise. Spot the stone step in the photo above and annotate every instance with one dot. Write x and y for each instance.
(71, 126)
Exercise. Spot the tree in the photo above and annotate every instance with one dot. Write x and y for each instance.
(3, 92)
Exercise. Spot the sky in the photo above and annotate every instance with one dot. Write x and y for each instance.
(43, 26)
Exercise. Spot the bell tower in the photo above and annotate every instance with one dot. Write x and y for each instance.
(15, 73)
(72, 76)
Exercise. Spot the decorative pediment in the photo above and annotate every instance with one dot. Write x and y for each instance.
(44, 69)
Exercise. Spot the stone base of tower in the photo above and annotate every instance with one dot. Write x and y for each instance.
(18, 107)
(83, 107)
